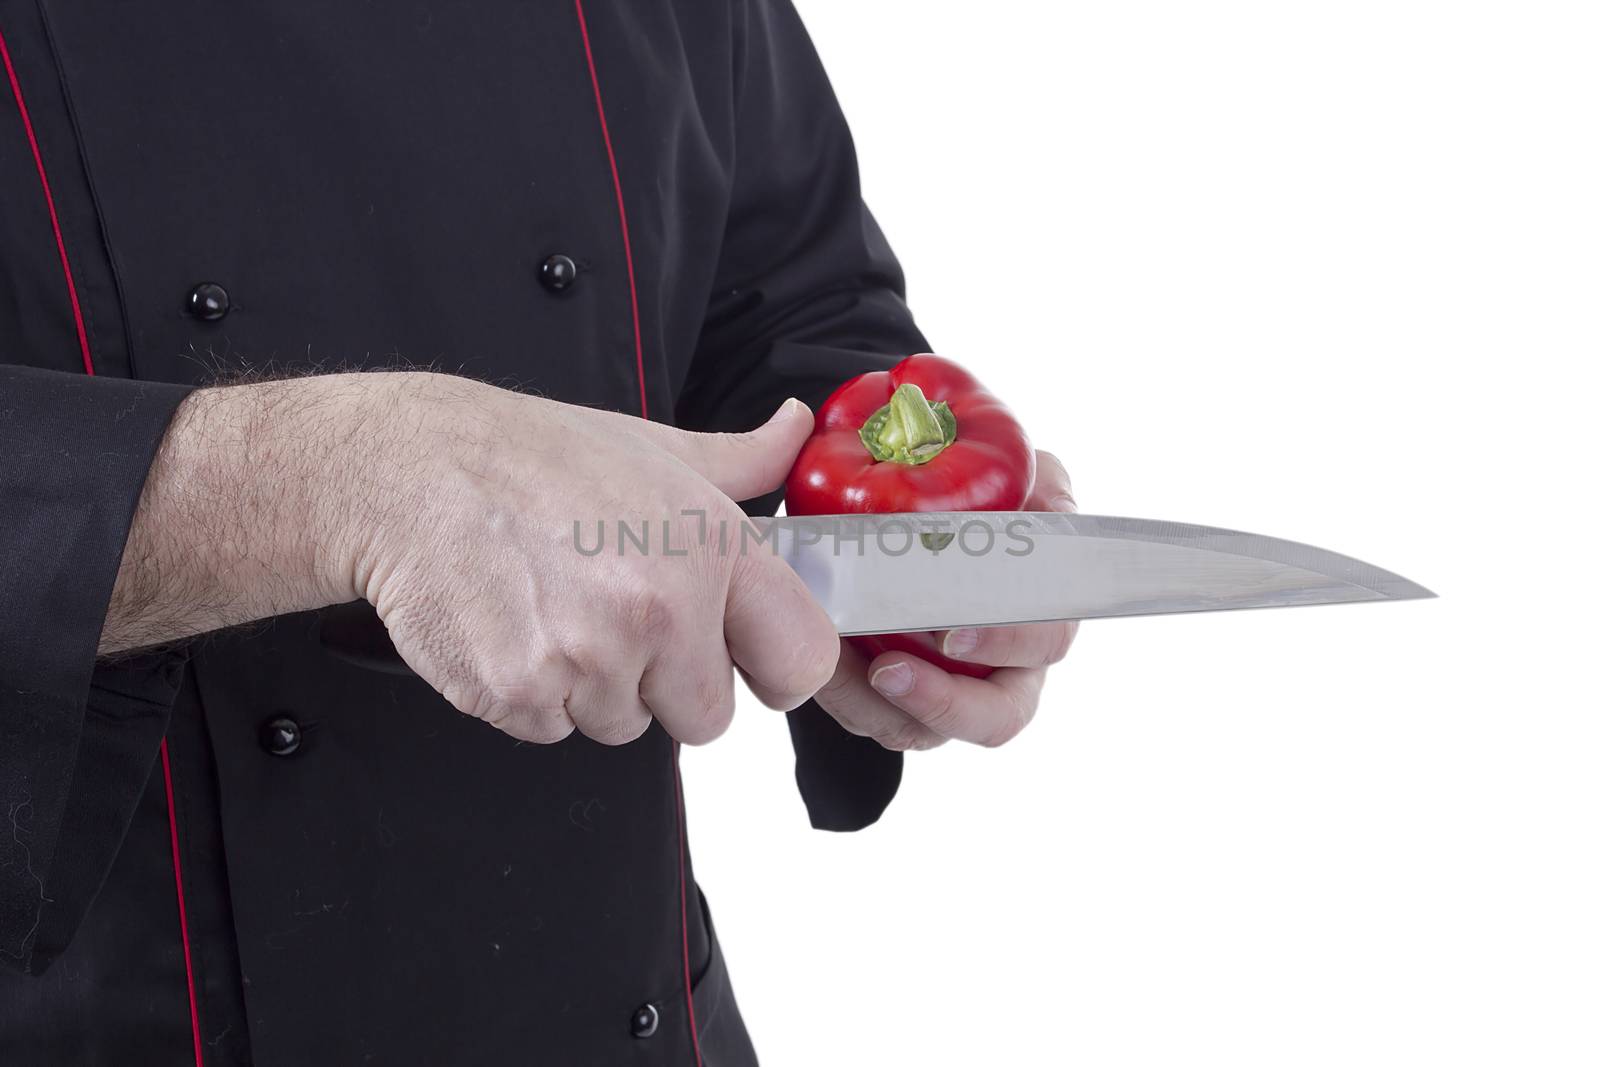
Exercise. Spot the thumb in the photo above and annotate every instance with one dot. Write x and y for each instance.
(746, 465)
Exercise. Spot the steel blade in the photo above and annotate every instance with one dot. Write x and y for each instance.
(934, 571)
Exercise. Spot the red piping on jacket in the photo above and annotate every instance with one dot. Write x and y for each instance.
(683, 902)
(183, 913)
(622, 211)
(644, 412)
(88, 368)
(50, 205)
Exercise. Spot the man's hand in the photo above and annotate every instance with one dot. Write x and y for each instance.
(457, 510)
(478, 575)
(907, 703)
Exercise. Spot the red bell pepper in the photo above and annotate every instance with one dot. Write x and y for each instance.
(923, 436)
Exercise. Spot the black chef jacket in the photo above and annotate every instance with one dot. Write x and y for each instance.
(252, 850)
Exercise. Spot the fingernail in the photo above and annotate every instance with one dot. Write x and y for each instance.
(958, 643)
(790, 408)
(893, 681)
(1063, 503)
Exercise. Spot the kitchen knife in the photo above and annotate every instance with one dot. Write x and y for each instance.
(939, 570)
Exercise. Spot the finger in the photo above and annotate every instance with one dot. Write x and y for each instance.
(690, 689)
(861, 710)
(606, 707)
(539, 726)
(985, 711)
(776, 632)
(1052, 486)
(1035, 645)
(742, 465)
(533, 709)
(530, 705)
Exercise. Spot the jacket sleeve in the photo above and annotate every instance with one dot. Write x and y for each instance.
(77, 739)
(808, 294)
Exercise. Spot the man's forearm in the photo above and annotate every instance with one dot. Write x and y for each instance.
(247, 512)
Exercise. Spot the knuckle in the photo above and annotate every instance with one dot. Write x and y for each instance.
(845, 708)
(1057, 467)
(1003, 737)
(908, 738)
(700, 728)
(529, 706)
(896, 740)
(940, 714)
(546, 682)
(850, 726)
(707, 728)
(616, 730)
(715, 697)
(742, 442)
(485, 707)
(785, 696)
(546, 726)
(499, 702)
(584, 658)
(814, 667)
(838, 692)
(539, 725)
(1062, 643)
(790, 687)
(1015, 721)
(692, 697)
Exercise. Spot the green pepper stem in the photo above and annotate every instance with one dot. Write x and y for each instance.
(914, 425)
(908, 429)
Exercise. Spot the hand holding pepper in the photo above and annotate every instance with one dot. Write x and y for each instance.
(926, 436)
(905, 702)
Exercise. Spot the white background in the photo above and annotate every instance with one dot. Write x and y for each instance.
(1325, 271)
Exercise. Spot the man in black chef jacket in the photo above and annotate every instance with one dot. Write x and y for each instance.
(255, 847)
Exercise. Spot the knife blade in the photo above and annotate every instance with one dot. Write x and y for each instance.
(938, 570)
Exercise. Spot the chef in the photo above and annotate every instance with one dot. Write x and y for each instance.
(595, 249)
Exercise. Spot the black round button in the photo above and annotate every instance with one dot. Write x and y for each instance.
(558, 273)
(281, 736)
(645, 1020)
(208, 301)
